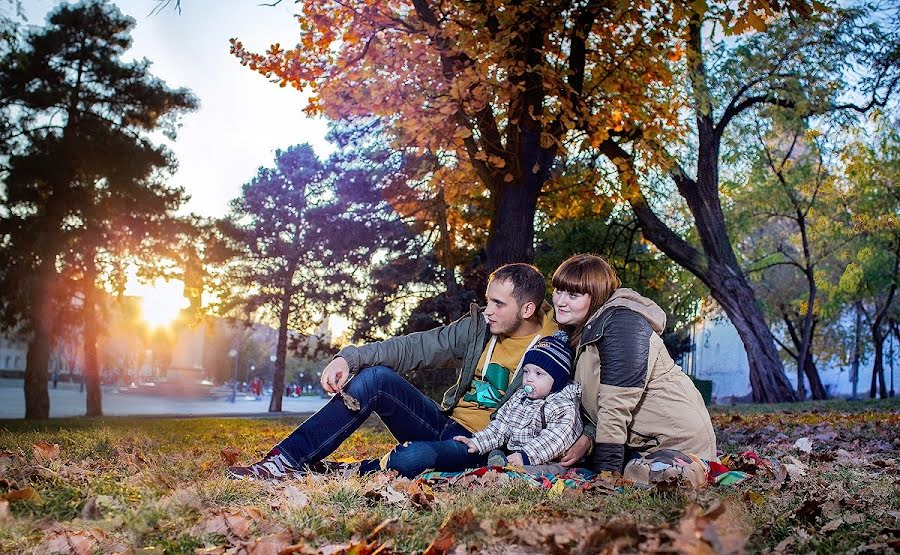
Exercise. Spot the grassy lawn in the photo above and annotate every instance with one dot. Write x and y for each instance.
(157, 486)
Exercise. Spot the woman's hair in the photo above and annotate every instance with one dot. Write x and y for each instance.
(586, 274)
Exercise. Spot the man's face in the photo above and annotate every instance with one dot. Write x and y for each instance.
(503, 313)
(540, 381)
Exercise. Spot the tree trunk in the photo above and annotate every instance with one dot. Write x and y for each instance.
(511, 236)
(809, 369)
(280, 355)
(91, 363)
(854, 366)
(767, 379)
(815, 382)
(37, 396)
(878, 384)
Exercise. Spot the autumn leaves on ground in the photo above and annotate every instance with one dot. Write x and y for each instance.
(157, 486)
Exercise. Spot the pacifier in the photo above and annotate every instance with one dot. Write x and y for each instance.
(528, 389)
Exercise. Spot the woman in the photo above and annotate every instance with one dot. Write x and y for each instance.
(635, 395)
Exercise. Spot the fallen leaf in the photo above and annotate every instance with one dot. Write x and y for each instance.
(441, 544)
(44, 451)
(385, 493)
(809, 510)
(804, 444)
(612, 536)
(91, 511)
(69, 542)
(794, 467)
(273, 544)
(718, 530)
(292, 497)
(754, 497)
(232, 525)
(831, 526)
(23, 494)
(230, 455)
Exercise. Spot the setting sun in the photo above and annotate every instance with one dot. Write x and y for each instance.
(162, 302)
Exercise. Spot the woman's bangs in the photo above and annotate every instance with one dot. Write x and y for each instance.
(573, 278)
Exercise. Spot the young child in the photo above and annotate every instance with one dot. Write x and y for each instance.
(542, 419)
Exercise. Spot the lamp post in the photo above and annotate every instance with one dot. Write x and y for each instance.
(233, 354)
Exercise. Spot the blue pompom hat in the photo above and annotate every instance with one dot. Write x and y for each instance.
(554, 355)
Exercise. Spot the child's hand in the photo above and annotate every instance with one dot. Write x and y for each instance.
(515, 459)
(469, 443)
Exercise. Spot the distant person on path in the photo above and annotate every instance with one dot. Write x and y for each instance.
(637, 401)
(487, 346)
(542, 419)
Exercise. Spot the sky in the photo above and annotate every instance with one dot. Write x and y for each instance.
(243, 118)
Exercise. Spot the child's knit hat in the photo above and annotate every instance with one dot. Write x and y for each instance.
(554, 355)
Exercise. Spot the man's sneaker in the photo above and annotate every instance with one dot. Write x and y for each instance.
(272, 467)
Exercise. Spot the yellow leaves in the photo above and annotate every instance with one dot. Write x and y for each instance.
(699, 6)
(463, 133)
(497, 161)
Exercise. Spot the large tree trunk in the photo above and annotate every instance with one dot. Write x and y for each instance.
(511, 236)
(280, 355)
(767, 379)
(91, 363)
(716, 266)
(37, 396)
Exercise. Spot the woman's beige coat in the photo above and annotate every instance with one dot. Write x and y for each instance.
(659, 410)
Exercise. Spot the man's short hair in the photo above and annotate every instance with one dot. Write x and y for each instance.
(527, 281)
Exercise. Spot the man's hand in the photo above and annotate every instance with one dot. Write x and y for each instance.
(469, 443)
(515, 459)
(335, 375)
(576, 452)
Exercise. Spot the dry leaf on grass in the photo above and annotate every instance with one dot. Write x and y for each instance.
(385, 493)
(233, 524)
(716, 531)
(82, 542)
(273, 544)
(549, 535)
(611, 537)
(23, 494)
(230, 455)
(45, 452)
(804, 444)
(91, 511)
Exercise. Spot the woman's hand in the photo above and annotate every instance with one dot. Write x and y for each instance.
(515, 459)
(576, 452)
(469, 443)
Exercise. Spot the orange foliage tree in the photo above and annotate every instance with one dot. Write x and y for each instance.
(502, 90)
(498, 89)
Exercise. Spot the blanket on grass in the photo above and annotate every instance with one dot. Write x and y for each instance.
(729, 470)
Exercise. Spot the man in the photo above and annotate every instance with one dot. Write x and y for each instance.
(486, 346)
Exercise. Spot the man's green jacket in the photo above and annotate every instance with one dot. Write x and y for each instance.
(457, 345)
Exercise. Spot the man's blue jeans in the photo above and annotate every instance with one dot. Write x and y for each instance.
(423, 431)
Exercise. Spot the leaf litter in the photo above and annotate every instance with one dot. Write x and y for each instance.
(834, 490)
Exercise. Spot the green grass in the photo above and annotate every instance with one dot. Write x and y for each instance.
(154, 480)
